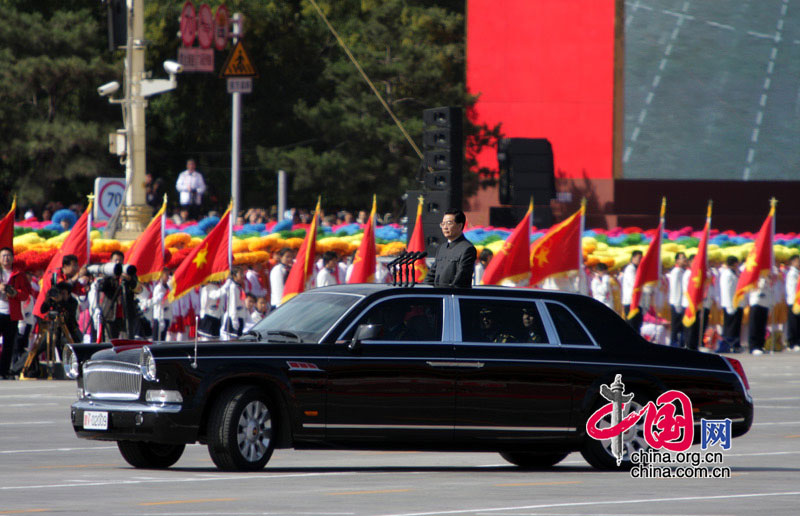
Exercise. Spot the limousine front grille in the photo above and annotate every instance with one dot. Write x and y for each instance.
(112, 380)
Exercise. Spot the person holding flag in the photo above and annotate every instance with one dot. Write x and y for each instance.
(511, 265)
(754, 281)
(209, 261)
(302, 272)
(647, 276)
(696, 284)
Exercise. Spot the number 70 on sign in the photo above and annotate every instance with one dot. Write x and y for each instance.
(109, 192)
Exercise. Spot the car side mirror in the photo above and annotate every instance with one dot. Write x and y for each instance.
(364, 332)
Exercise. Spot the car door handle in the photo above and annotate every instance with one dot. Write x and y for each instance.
(473, 365)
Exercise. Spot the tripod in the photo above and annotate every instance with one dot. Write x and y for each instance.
(46, 342)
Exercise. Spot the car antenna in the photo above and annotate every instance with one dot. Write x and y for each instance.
(196, 325)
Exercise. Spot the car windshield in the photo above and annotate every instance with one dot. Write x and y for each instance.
(306, 317)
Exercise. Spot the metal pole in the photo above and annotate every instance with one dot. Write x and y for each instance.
(281, 194)
(136, 157)
(236, 125)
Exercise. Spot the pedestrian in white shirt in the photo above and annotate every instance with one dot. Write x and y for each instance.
(731, 314)
(601, 285)
(328, 275)
(253, 280)
(235, 314)
(628, 280)
(278, 275)
(250, 309)
(191, 187)
(212, 298)
(793, 319)
(161, 307)
(675, 278)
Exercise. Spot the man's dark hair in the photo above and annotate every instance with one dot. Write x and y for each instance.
(285, 250)
(601, 266)
(486, 254)
(10, 250)
(236, 270)
(69, 259)
(460, 218)
(250, 296)
(635, 254)
(791, 258)
(732, 260)
(117, 253)
(328, 256)
(679, 254)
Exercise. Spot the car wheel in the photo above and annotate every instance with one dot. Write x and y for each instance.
(150, 455)
(529, 460)
(240, 429)
(598, 453)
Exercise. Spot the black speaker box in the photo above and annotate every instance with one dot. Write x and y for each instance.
(436, 137)
(526, 169)
(509, 216)
(440, 180)
(442, 117)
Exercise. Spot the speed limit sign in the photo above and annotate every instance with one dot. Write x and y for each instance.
(109, 193)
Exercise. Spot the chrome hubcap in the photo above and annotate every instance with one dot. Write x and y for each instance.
(254, 431)
(632, 439)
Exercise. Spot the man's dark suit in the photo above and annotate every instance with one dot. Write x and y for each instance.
(454, 264)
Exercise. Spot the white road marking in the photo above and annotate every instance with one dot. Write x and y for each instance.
(662, 64)
(720, 25)
(635, 135)
(600, 502)
(770, 66)
(759, 119)
(656, 80)
(668, 50)
(642, 115)
(50, 450)
(25, 423)
(750, 155)
(763, 101)
(754, 137)
(627, 154)
(767, 83)
(760, 34)
(776, 423)
(16, 405)
(649, 98)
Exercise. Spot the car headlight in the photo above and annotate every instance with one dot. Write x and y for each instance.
(148, 364)
(162, 396)
(70, 362)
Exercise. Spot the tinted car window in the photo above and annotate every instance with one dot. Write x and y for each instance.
(308, 315)
(405, 319)
(488, 320)
(569, 330)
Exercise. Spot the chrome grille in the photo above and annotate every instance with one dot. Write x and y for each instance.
(112, 380)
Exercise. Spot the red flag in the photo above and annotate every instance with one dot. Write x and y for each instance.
(760, 259)
(649, 270)
(366, 258)
(209, 261)
(511, 264)
(698, 276)
(7, 227)
(78, 242)
(147, 252)
(559, 250)
(417, 244)
(303, 268)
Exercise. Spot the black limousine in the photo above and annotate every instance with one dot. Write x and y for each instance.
(514, 371)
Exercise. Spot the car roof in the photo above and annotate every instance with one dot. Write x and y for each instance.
(382, 289)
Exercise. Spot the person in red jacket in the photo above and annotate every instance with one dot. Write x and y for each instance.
(14, 290)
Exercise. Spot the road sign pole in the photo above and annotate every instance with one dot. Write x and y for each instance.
(281, 194)
(236, 125)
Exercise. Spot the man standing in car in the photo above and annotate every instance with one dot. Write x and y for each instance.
(455, 260)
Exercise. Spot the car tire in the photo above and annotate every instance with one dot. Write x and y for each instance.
(529, 460)
(146, 455)
(598, 453)
(241, 429)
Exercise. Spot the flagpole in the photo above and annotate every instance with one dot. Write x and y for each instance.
(581, 272)
(89, 231)
(705, 270)
(163, 230)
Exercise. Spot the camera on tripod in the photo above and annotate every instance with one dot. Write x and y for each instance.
(112, 269)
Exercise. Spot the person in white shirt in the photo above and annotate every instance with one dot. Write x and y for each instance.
(731, 314)
(250, 309)
(191, 187)
(760, 300)
(480, 265)
(601, 285)
(236, 311)
(278, 275)
(328, 275)
(692, 334)
(161, 307)
(261, 311)
(253, 279)
(628, 280)
(211, 308)
(793, 319)
(675, 278)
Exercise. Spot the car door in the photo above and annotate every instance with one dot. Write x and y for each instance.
(514, 382)
(391, 388)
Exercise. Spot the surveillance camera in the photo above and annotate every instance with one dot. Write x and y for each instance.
(108, 89)
(171, 67)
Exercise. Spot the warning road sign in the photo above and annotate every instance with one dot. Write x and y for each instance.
(238, 64)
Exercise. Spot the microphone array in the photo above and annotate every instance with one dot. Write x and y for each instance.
(402, 268)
